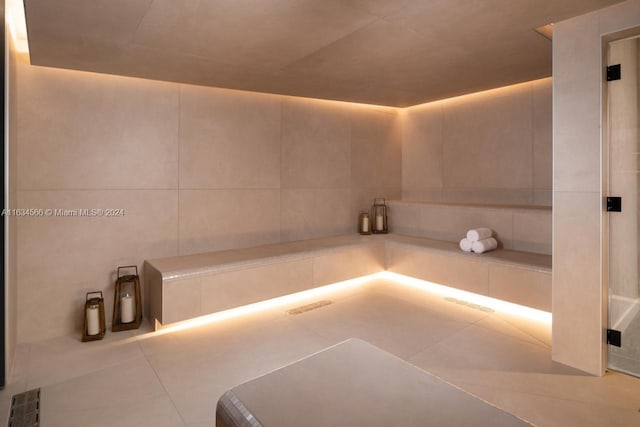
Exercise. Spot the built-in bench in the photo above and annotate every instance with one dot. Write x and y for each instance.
(184, 287)
(519, 277)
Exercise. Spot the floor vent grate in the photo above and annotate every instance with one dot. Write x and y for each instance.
(309, 307)
(470, 305)
(25, 409)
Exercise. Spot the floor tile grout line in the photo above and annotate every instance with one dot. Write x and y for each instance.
(299, 322)
(539, 342)
(316, 334)
(359, 293)
(164, 388)
(374, 291)
(29, 374)
(80, 375)
(27, 367)
(542, 343)
(438, 373)
(435, 343)
(547, 396)
(476, 323)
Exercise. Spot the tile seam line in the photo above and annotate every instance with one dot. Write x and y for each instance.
(97, 189)
(538, 342)
(75, 377)
(201, 189)
(295, 61)
(439, 342)
(302, 325)
(28, 365)
(179, 168)
(533, 140)
(543, 395)
(165, 189)
(578, 191)
(164, 388)
(144, 15)
(444, 340)
(281, 156)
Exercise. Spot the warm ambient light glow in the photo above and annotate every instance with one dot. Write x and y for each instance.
(475, 96)
(15, 18)
(546, 31)
(492, 303)
(269, 304)
(324, 291)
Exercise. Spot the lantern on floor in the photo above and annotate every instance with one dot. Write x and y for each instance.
(127, 302)
(364, 223)
(379, 216)
(94, 325)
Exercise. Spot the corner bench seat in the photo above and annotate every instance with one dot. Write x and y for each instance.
(184, 287)
(519, 277)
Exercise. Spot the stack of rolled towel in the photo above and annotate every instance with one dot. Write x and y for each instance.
(479, 240)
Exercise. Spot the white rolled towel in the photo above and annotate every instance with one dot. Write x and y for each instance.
(479, 233)
(484, 245)
(465, 244)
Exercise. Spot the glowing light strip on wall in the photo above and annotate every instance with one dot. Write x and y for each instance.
(492, 303)
(15, 18)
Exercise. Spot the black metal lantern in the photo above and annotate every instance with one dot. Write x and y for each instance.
(94, 326)
(127, 302)
(379, 217)
(364, 223)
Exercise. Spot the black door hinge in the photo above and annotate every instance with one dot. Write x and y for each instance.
(614, 204)
(613, 72)
(614, 337)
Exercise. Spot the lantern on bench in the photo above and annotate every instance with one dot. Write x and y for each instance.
(94, 326)
(127, 302)
(364, 223)
(379, 217)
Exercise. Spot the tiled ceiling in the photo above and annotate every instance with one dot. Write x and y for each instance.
(389, 52)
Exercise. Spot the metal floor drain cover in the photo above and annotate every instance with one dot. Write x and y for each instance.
(470, 305)
(25, 409)
(309, 307)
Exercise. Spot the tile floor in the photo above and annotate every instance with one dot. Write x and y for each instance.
(174, 379)
(626, 358)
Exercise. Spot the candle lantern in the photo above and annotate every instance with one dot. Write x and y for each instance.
(379, 217)
(94, 325)
(127, 302)
(364, 223)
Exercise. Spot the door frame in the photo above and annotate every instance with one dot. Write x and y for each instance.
(604, 181)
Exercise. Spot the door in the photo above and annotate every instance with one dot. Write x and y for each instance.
(623, 166)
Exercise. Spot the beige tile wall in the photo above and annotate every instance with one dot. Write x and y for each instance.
(579, 242)
(228, 139)
(516, 228)
(488, 147)
(195, 169)
(62, 258)
(88, 131)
